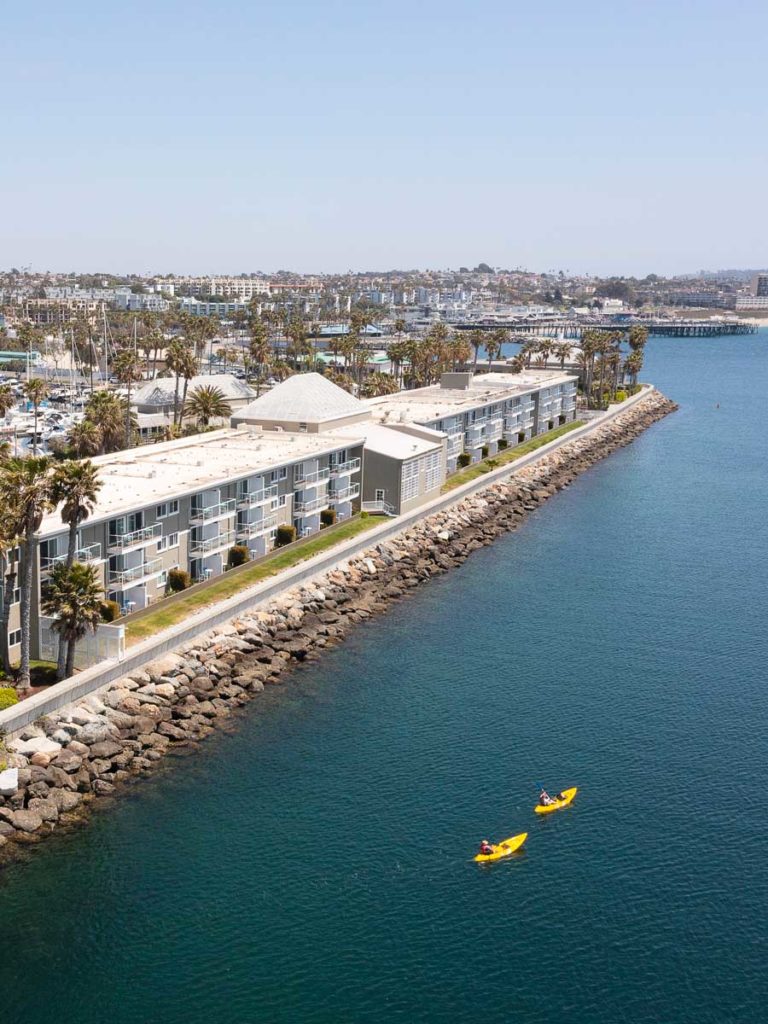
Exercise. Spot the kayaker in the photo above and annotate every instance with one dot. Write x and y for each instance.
(485, 848)
(545, 799)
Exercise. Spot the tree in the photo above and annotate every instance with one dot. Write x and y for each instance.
(7, 400)
(181, 360)
(36, 391)
(207, 403)
(377, 384)
(476, 341)
(127, 368)
(75, 486)
(25, 495)
(9, 540)
(85, 439)
(259, 348)
(107, 412)
(73, 597)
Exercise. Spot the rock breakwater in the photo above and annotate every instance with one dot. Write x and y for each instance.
(68, 763)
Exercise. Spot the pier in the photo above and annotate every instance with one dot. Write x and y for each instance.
(521, 328)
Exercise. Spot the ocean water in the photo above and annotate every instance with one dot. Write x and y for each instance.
(313, 864)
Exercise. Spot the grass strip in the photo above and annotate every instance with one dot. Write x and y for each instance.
(228, 586)
(464, 476)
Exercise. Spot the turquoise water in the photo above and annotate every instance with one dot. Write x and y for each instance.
(313, 865)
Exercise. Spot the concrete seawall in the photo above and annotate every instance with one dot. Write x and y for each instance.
(89, 749)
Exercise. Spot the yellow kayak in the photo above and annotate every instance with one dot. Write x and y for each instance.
(503, 849)
(568, 795)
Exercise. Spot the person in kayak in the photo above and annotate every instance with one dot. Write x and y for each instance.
(485, 848)
(545, 799)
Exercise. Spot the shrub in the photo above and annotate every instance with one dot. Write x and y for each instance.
(8, 697)
(484, 451)
(621, 396)
(110, 610)
(464, 459)
(238, 555)
(503, 443)
(328, 517)
(285, 535)
(178, 579)
(493, 463)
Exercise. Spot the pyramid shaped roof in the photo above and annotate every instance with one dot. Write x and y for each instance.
(304, 398)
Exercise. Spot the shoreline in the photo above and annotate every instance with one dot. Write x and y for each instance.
(73, 760)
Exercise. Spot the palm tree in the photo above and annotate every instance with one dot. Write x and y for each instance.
(107, 413)
(633, 364)
(25, 493)
(85, 438)
(36, 390)
(188, 370)
(207, 403)
(73, 597)
(259, 348)
(174, 355)
(377, 384)
(9, 571)
(562, 351)
(75, 485)
(127, 368)
(7, 400)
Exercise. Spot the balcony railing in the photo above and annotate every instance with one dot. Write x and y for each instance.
(123, 577)
(494, 428)
(306, 508)
(378, 506)
(209, 544)
(136, 538)
(259, 497)
(310, 479)
(341, 468)
(211, 512)
(258, 528)
(92, 553)
(344, 493)
(474, 434)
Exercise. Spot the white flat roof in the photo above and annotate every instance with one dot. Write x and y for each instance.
(435, 402)
(139, 477)
(397, 444)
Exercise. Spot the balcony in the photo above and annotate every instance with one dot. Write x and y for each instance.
(474, 435)
(136, 538)
(210, 544)
(136, 574)
(311, 479)
(212, 512)
(494, 428)
(254, 498)
(342, 468)
(258, 528)
(344, 493)
(308, 508)
(455, 444)
(92, 553)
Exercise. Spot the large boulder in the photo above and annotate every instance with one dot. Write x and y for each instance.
(69, 761)
(65, 800)
(38, 744)
(26, 821)
(97, 732)
(47, 809)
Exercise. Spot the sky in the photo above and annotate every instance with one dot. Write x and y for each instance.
(196, 138)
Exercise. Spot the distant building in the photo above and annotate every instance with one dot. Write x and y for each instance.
(200, 307)
(759, 285)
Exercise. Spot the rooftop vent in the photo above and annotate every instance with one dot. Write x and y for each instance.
(456, 381)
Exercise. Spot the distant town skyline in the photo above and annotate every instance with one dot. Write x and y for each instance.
(322, 138)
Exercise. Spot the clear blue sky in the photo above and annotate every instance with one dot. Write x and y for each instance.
(594, 137)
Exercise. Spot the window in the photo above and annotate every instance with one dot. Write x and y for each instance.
(16, 596)
(162, 580)
(279, 474)
(410, 480)
(168, 508)
(282, 501)
(302, 428)
(170, 541)
(14, 637)
(283, 472)
(431, 471)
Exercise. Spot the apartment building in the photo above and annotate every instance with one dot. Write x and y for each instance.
(404, 464)
(186, 503)
(477, 412)
(53, 312)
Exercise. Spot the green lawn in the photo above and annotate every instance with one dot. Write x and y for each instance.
(229, 585)
(463, 476)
